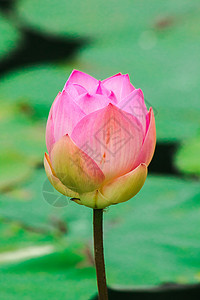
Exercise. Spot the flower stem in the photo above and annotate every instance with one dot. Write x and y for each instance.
(98, 253)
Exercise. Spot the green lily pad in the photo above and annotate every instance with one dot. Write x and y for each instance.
(187, 158)
(22, 136)
(22, 146)
(34, 87)
(85, 19)
(153, 238)
(15, 237)
(34, 218)
(13, 169)
(27, 205)
(38, 205)
(149, 240)
(55, 276)
(9, 37)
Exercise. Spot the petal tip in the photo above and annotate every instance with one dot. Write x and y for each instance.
(140, 92)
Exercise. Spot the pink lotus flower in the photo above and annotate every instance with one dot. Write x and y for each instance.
(100, 139)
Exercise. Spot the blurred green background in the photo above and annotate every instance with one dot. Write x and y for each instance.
(46, 240)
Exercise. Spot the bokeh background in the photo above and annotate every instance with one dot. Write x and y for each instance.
(46, 240)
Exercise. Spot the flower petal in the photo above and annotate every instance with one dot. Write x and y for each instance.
(120, 85)
(66, 114)
(75, 90)
(149, 143)
(83, 79)
(57, 184)
(134, 104)
(50, 139)
(125, 187)
(100, 89)
(111, 77)
(89, 103)
(93, 199)
(74, 168)
(113, 139)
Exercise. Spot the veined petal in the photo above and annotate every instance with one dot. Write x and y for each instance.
(89, 103)
(134, 104)
(113, 139)
(149, 144)
(120, 85)
(66, 114)
(125, 187)
(74, 168)
(57, 184)
(83, 79)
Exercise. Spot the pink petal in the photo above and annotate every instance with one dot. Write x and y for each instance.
(101, 90)
(75, 169)
(134, 104)
(89, 103)
(111, 77)
(50, 139)
(75, 90)
(113, 139)
(63, 117)
(149, 143)
(83, 79)
(120, 85)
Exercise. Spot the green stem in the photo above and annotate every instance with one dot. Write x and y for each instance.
(98, 253)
